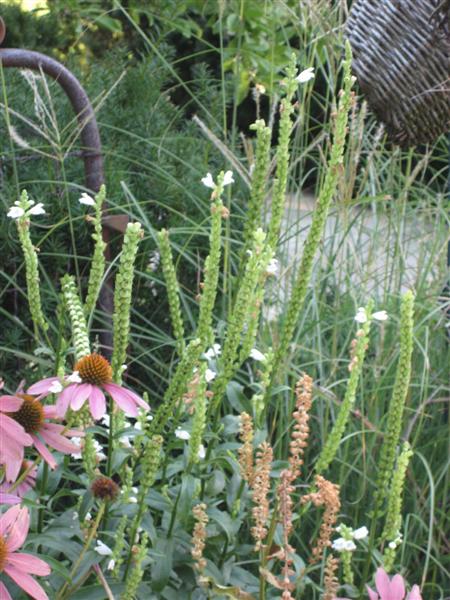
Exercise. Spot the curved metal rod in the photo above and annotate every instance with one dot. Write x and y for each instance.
(90, 137)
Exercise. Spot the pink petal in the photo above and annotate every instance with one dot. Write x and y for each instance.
(43, 451)
(50, 412)
(397, 590)
(14, 460)
(19, 530)
(4, 594)
(64, 399)
(372, 595)
(10, 403)
(120, 396)
(8, 518)
(30, 564)
(9, 499)
(97, 403)
(26, 582)
(137, 399)
(383, 584)
(51, 434)
(414, 594)
(41, 387)
(80, 395)
(15, 431)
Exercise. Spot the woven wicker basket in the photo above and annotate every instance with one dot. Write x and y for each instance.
(401, 52)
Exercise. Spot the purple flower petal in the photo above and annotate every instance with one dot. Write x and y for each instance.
(42, 387)
(80, 395)
(97, 403)
(122, 398)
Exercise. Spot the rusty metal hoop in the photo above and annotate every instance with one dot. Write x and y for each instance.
(401, 52)
(91, 145)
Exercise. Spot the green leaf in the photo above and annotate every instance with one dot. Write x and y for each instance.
(162, 565)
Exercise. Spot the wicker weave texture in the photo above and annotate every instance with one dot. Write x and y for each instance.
(401, 54)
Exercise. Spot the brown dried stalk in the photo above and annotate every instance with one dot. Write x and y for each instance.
(199, 536)
(303, 392)
(246, 450)
(330, 580)
(260, 489)
(327, 496)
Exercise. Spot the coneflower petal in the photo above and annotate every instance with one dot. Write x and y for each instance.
(26, 582)
(97, 403)
(10, 403)
(51, 434)
(64, 399)
(19, 530)
(4, 594)
(44, 452)
(120, 397)
(80, 395)
(30, 564)
(42, 387)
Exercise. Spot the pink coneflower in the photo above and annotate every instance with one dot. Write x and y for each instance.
(13, 437)
(91, 378)
(14, 525)
(391, 589)
(32, 417)
(25, 486)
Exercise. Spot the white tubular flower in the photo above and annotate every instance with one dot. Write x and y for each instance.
(99, 450)
(360, 533)
(339, 544)
(111, 565)
(213, 352)
(86, 199)
(102, 549)
(361, 315)
(306, 75)
(37, 210)
(201, 451)
(15, 212)
(55, 388)
(257, 355)
(182, 434)
(77, 442)
(228, 178)
(74, 378)
(208, 181)
(209, 375)
(272, 267)
(343, 545)
(381, 315)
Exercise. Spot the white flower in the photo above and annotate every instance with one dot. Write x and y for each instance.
(201, 451)
(103, 549)
(208, 181)
(55, 388)
(339, 544)
(77, 442)
(125, 441)
(213, 352)
(132, 500)
(106, 420)
(209, 375)
(360, 533)
(381, 315)
(257, 355)
(228, 178)
(272, 267)
(15, 212)
(342, 544)
(86, 199)
(74, 378)
(182, 434)
(361, 315)
(392, 545)
(111, 565)
(306, 75)
(134, 490)
(88, 517)
(37, 210)
(99, 450)
(75, 516)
